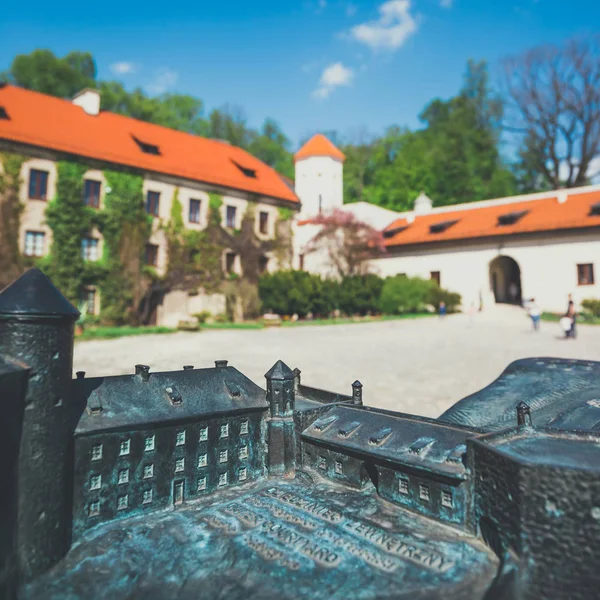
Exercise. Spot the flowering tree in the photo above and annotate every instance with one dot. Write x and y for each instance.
(349, 243)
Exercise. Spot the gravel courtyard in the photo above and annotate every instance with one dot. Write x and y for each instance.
(420, 366)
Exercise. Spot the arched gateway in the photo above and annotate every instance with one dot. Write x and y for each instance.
(505, 280)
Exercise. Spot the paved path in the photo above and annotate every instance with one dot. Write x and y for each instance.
(420, 366)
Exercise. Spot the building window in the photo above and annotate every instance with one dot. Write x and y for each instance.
(34, 243)
(202, 460)
(223, 479)
(124, 449)
(435, 276)
(152, 202)
(301, 262)
(194, 211)
(201, 484)
(89, 248)
(203, 434)
(585, 274)
(180, 438)
(243, 427)
(243, 474)
(424, 492)
(263, 222)
(225, 430)
(149, 443)
(339, 468)
(263, 264)
(230, 262)
(148, 471)
(97, 452)
(152, 255)
(230, 213)
(223, 456)
(447, 498)
(403, 486)
(94, 509)
(243, 451)
(124, 476)
(147, 497)
(91, 193)
(179, 465)
(88, 299)
(38, 184)
(322, 462)
(95, 482)
(122, 502)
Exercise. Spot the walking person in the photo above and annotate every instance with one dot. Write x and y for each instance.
(571, 314)
(535, 313)
(513, 292)
(442, 310)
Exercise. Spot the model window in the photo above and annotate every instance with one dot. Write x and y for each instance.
(152, 202)
(243, 427)
(194, 211)
(201, 484)
(88, 299)
(243, 451)
(148, 471)
(263, 264)
(122, 502)
(223, 456)
(585, 274)
(89, 248)
(223, 479)
(179, 465)
(263, 222)
(230, 262)
(180, 438)
(124, 476)
(225, 430)
(147, 497)
(97, 452)
(435, 276)
(403, 486)
(424, 492)
(124, 449)
(149, 443)
(202, 460)
(38, 184)
(447, 498)
(94, 509)
(95, 482)
(230, 214)
(243, 474)
(203, 434)
(35, 242)
(152, 255)
(91, 193)
(322, 462)
(339, 468)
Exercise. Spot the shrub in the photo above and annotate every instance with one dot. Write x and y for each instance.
(451, 299)
(359, 294)
(203, 316)
(401, 294)
(592, 305)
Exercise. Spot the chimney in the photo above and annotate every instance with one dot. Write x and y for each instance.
(89, 100)
(357, 399)
(423, 204)
(523, 415)
(143, 371)
(297, 372)
(220, 364)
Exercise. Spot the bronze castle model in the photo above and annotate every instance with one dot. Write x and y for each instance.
(200, 484)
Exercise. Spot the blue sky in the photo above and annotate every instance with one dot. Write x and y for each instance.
(349, 65)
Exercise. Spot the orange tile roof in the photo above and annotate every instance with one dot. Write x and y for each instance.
(47, 122)
(545, 214)
(319, 145)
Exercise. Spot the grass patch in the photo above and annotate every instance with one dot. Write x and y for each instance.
(582, 318)
(350, 320)
(250, 325)
(103, 333)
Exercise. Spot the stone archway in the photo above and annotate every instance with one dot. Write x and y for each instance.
(505, 280)
(369, 474)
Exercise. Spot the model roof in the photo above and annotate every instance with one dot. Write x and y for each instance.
(47, 122)
(559, 210)
(319, 145)
(412, 442)
(146, 399)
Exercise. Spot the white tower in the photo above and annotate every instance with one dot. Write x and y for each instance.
(319, 176)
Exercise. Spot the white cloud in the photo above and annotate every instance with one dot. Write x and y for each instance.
(122, 68)
(165, 79)
(394, 26)
(333, 76)
(446, 3)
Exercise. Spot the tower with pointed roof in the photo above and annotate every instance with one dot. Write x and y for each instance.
(319, 176)
(281, 460)
(36, 328)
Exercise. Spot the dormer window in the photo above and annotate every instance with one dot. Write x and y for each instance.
(595, 209)
(245, 170)
(381, 436)
(347, 430)
(421, 445)
(442, 226)
(174, 396)
(234, 390)
(146, 147)
(512, 217)
(324, 423)
(390, 233)
(4, 114)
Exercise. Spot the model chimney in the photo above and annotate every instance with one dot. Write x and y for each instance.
(423, 204)
(89, 100)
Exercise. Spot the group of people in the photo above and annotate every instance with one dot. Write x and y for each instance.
(567, 322)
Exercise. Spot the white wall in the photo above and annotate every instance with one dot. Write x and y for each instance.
(319, 175)
(548, 267)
